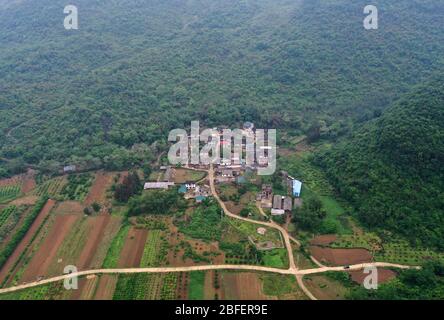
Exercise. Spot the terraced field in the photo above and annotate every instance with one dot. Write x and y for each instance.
(9, 192)
(9, 218)
(77, 187)
(138, 287)
(154, 251)
(169, 286)
(394, 251)
(52, 187)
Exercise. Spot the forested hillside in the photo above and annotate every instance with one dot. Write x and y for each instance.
(137, 68)
(392, 169)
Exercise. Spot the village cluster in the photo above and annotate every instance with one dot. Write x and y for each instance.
(236, 171)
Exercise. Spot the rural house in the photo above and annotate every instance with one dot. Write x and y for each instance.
(157, 185)
(70, 168)
(277, 202)
(277, 212)
(297, 186)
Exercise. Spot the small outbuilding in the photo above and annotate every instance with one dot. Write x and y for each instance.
(277, 212)
(261, 231)
(297, 187)
(157, 185)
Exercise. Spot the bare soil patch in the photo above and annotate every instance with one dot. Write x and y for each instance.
(243, 286)
(10, 181)
(97, 192)
(27, 201)
(69, 208)
(47, 252)
(133, 249)
(324, 240)
(340, 257)
(28, 182)
(384, 275)
(87, 287)
(107, 285)
(96, 226)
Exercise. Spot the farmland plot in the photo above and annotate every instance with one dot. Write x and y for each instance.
(77, 187)
(21, 239)
(9, 218)
(52, 187)
(51, 291)
(115, 248)
(139, 286)
(9, 193)
(155, 249)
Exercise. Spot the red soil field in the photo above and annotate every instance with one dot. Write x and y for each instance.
(28, 182)
(323, 240)
(47, 252)
(97, 192)
(105, 289)
(97, 226)
(384, 275)
(9, 181)
(85, 289)
(26, 239)
(243, 286)
(133, 249)
(28, 200)
(340, 257)
(69, 208)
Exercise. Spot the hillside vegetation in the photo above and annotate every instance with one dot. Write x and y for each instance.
(392, 169)
(101, 95)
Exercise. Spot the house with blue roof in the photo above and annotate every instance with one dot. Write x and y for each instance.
(297, 187)
(183, 189)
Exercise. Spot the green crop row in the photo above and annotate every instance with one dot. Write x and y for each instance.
(8, 193)
(19, 235)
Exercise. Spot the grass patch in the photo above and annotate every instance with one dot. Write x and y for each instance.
(196, 285)
(205, 222)
(249, 229)
(113, 255)
(277, 284)
(276, 258)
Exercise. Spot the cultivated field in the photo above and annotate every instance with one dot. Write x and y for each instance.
(340, 257)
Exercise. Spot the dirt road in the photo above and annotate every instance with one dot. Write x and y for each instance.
(292, 270)
(267, 224)
(298, 273)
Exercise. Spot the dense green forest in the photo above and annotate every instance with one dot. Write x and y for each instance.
(392, 169)
(102, 95)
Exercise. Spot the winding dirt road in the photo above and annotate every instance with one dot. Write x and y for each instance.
(298, 273)
(292, 270)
